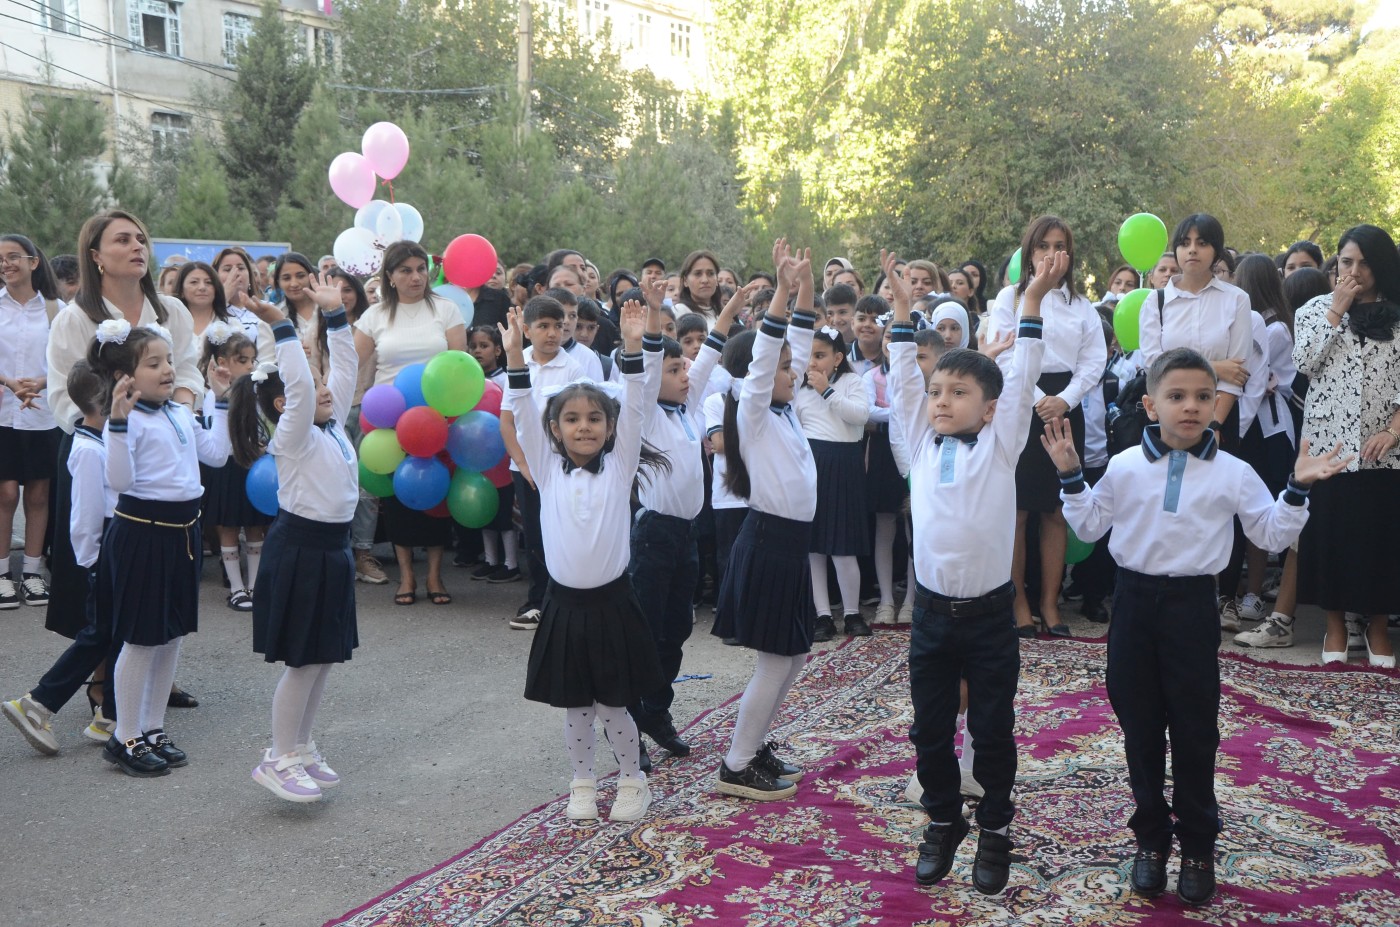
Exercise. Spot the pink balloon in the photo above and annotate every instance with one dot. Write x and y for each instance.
(386, 148)
(490, 399)
(352, 179)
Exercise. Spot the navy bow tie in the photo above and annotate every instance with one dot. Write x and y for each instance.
(969, 438)
(594, 466)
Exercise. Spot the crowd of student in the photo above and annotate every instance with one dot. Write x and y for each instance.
(763, 442)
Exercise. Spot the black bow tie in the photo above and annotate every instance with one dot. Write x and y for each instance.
(969, 438)
(594, 466)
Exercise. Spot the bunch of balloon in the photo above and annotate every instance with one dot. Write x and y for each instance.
(1142, 239)
(378, 223)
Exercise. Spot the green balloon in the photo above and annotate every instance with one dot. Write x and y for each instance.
(376, 484)
(1126, 319)
(1077, 551)
(453, 383)
(472, 499)
(1143, 240)
(380, 452)
(1013, 270)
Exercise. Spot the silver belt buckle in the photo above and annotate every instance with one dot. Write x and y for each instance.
(955, 607)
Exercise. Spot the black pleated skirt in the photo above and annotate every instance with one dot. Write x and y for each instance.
(765, 599)
(885, 489)
(151, 571)
(304, 596)
(408, 527)
(226, 503)
(841, 526)
(592, 645)
(68, 583)
(1037, 483)
(1349, 549)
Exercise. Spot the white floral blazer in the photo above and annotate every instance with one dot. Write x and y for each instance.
(1355, 383)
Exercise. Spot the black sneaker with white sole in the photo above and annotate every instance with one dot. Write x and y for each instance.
(769, 761)
(754, 783)
(34, 590)
(9, 593)
(527, 620)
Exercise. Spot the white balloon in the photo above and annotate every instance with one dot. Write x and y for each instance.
(367, 215)
(412, 222)
(388, 228)
(356, 253)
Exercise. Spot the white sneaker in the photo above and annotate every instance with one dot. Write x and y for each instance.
(1252, 608)
(1229, 614)
(884, 614)
(1272, 580)
(914, 791)
(1356, 632)
(583, 800)
(906, 612)
(100, 729)
(633, 800)
(1276, 632)
(33, 721)
(970, 786)
(316, 766)
(285, 777)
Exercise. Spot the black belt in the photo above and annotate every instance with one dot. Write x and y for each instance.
(999, 599)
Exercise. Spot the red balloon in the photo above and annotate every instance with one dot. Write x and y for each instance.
(499, 475)
(490, 399)
(365, 426)
(469, 261)
(422, 431)
(446, 458)
(439, 511)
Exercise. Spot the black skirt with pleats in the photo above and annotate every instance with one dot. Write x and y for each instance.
(765, 600)
(304, 595)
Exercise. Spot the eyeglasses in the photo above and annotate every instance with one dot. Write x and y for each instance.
(17, 259)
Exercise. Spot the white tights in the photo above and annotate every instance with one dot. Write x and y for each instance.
(773, 676)
(847, 579)
(618, 727)
(142, 679)
(885, 525)
(294, 705)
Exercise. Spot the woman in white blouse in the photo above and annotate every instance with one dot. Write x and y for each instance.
(408, 326)
(1348, 343)
(1075, 357)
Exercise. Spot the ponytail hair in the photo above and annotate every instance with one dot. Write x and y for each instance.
(738, 355)
(250, 402)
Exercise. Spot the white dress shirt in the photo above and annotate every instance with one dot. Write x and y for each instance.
(585, 512)
(1073, 339)
(72, 332)
(720, 496)
(559, 370)
(1172, 512)
(838, 414)
(318, 474)
(23, 354)
(678, 432)
(1276, 415)
(586, 358)
(782, 473)
(92, 500)
(1214, 322)
(963, 494)
(156, 453)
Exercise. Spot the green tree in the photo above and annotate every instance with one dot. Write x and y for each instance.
(202, 206)
(308, 214)
(274, 84)
(50, 183)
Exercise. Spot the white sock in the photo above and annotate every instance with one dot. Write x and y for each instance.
(289, 703)
(235, 575)
(1281, 618)
(763, 696)
(578, 739)
(848, 581)
(510, 539)
(819, 593)
(34, 565)
(129, 679)
(491, 545)
(621, 732)
(884, 556)
(313, 701)
(254, 549)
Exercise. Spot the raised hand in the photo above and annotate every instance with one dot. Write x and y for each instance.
(1048, 273)
(736, 304)
(1058, 441)
(124, 396)
(654, 293)
(898, 288)
(632, 325)
(219, 379)
(996, 345)
(264, 310)
(513, 337)
(325, 291)
(781, 252)
(1309, 469)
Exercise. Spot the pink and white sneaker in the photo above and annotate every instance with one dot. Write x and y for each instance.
(316, 767)
(285, 777)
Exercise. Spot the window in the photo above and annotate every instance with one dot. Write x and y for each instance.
(169, 132)
(552, 10)
(154, 25)
(641, 30)
(596, 15)
(321, 46)
(680, 40)
(59, 16)
(238, 29)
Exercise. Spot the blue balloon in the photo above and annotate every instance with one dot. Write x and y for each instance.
(459, 297)
(262, 485)
(421, 482)
(474, 441)
(410, 383)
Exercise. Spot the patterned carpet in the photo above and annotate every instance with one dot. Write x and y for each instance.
(1309, 782)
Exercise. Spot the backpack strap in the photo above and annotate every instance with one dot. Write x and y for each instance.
(1161, 305)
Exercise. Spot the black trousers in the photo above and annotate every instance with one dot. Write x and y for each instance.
(1164, 681)
(532, 548)
(986, 652)
(664, 568)
(93, 644)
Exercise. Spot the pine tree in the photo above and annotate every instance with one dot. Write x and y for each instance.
(202, 207)
(50, 185)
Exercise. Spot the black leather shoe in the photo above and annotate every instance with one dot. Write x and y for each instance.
(1026, 631)
(1196, 884)
(856, 626)
(939, 848)
(642, 756)
(1093, 609)
(179, 698)
(135, 758)
(826, 629)
(673, 745)
(660, 728)
(753, 782)
(162, 746)
(1149, 873)
(992, 865)
(778, 768)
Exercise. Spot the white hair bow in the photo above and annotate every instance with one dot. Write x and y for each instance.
(830, 332)
(218, 332)
(113, 331)
(611, 390)
(736, 386)
(259, 375)
(163, 332)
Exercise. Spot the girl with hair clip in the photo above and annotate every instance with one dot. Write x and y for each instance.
(1075, 358)
(832, 409)
(151, 555)
(500, 541)
(29, 437)
(765, 601)
(226, 504)
(304, 603)
(593, 653)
